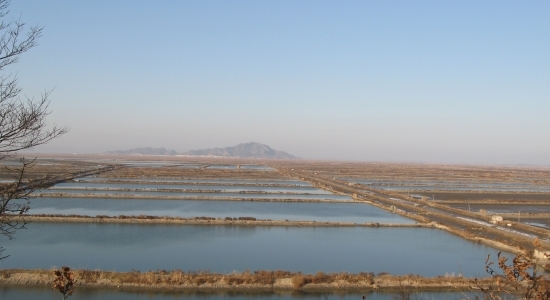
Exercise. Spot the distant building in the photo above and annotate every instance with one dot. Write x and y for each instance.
(496, 219)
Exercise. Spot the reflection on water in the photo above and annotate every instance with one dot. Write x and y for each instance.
(121, 247)
(325, 212)
(32, 292)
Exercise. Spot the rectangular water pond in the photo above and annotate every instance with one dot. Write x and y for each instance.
(224, 249)
(233, 188)
(435, 185)
(205, 181)
(504, 208)
(538, 222)
(153, 194)
(454, 188)
(322, 212)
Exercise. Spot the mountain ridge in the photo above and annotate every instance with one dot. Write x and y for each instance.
(243, 150)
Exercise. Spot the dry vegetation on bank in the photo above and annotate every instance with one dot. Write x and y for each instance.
(143, 219)
(270, 280)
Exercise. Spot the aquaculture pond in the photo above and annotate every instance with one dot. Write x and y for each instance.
(236, 188)
(322, 212)
(257, 167)
(504, 208)
(82, 293)
(450, 185)
(538, 222)
(209, 181)
(123, 247)
(152, 194)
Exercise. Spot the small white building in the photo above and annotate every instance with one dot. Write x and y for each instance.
(496, 219)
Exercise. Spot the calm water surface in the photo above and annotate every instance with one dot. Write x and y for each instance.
(227, 181)
(209, 195)
(454, 188)
(451, 185)
(273, 189)
(504, 208)
(43, 293)
(123, 247)
(325, 212)
(257, 167)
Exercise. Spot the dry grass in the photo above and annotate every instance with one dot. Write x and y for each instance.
(247, 279)
(298, 281)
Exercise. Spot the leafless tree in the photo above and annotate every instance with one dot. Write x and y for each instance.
(22, 121)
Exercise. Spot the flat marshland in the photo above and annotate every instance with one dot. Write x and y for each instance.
(231, 224)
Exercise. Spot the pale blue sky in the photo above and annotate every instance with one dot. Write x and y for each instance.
(415, 81)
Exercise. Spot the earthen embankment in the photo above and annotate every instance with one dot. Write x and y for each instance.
(259, 280)
(142, 219)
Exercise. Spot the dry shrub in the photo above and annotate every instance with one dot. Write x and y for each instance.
(125, 277)
(262, 277)
(298, 281)
(366, 275)
(64, 281)
(233, 280)
(162, 272)
(519, 279)
(321, 277)
(258, 277)
(347, 278)
(204, 218)
(4, 274)
(281, 274)
(88, 276)
(199, 280)
(150, 278)
(204, 278)
(176, 277)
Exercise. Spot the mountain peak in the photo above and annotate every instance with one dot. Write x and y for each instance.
(244, 150)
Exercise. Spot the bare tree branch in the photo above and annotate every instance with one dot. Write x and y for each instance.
(22, 122)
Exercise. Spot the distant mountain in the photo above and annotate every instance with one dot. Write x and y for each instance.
(248, 150)
(143, 151)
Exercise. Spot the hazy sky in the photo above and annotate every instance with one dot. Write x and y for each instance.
(417, 81)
